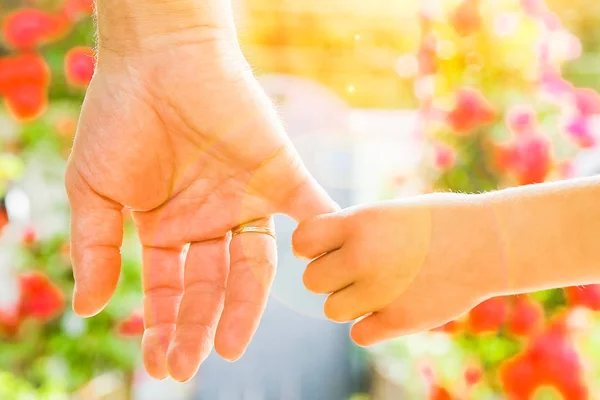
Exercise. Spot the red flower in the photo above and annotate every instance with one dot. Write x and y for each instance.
(10, 320)
(488, 316)
(3, 218)
(550, 360)
(24, 82)
(526, 317)
(584, 296)
(466, 18)
(25, 69)
(439, 393)
(533, 159)
(40, 298)
(29, 235)
(473, 375)
(73, 9)
(504, 157)
(28, 28)
(444, 156)
(449, 327)
(471, 110)
(80, 63)
(519, 378)
(27, 102)
(133, 325)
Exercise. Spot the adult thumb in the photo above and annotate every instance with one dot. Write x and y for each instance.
(304, 196)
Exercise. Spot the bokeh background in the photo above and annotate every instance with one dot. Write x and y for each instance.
(384, 99)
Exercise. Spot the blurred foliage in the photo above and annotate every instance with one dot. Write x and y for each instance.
(506, 92)
(44, 357)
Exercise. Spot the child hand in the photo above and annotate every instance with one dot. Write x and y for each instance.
(412, 265)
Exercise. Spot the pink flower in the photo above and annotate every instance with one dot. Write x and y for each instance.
(520, 119)
(587, 101)
(80, 63)
(533, 159)
(551, 20)
(534, 7)
(444, 156)
(579, 129)
(566, 170)
(552, 81)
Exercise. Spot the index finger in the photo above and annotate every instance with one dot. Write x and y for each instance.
(96, 237)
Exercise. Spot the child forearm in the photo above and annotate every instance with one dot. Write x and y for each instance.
(548, 235)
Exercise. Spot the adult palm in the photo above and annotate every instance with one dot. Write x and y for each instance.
(184, 138)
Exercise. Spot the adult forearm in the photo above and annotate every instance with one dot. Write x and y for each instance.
(548, 235)
(133, 26)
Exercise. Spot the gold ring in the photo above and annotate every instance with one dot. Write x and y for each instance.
(254, 229)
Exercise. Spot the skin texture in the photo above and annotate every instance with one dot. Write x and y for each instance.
(412, 265)
(175, 129)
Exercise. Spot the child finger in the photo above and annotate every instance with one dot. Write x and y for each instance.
(319, 235)
(329, 273)
(350, 303)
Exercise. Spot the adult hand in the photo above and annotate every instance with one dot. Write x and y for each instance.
(176, 129)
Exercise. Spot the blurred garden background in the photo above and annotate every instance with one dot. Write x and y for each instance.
(384, 99)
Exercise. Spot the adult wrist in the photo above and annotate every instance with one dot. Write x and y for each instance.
(134, 27)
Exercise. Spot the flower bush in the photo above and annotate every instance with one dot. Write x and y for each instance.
(45, 350)
(498, 113)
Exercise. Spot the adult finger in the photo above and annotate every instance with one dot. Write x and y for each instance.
(319, 235)
(286, 183)
(252, 268)
(162, 270)
(308, 198)
(329, 273)
(96, 237)
(206, 269)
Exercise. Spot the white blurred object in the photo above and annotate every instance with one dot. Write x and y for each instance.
(9, 287)
(18, 206)
(9, 127)
(587, 162)
(147, 388)
(385, 145)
